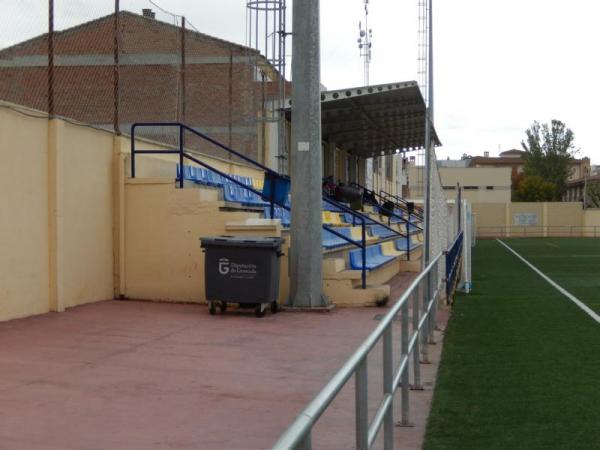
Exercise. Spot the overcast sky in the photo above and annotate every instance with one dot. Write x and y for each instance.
(499, 64)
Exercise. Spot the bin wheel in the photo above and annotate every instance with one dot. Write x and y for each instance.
(212, 308)
(274, 307)
(223, 306)
(259, 311)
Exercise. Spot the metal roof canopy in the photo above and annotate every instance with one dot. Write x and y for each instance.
(374, 120)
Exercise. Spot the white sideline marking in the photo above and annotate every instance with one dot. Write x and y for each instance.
(560, 289)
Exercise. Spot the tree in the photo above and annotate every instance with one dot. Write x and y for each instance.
(534, 188)
(549, 151)
(593, 194)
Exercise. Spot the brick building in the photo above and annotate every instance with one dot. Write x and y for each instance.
(222, 89)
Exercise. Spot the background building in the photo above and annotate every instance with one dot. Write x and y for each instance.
(148, 71)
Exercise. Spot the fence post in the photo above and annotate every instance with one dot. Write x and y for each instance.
(116, 70)
(417, 347)
(182, 118)
(388, 388)
(405, 414)
(50, 58)
(364, 254)
(306, 443)
(424, 333)
(361, 402)
(181, 156)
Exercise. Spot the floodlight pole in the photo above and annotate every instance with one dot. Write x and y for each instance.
(306, 254)
(428, 144)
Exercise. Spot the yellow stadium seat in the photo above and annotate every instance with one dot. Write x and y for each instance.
(258, 183)
(356, 233)
(332, 218)
(388, 249)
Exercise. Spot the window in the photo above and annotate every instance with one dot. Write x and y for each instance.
(471, 188)
(449, 188)
(490, 188)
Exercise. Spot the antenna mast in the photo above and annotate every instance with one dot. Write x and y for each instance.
(364, 42)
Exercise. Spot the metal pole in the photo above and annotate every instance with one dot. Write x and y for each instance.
(424, 332)
(50, 58)
(307, 165)
(428, 145)
(181, 136)
(388, 388)
(405, 417)
(116, 69)
(415, 332)
(182, 118)
(362, 407)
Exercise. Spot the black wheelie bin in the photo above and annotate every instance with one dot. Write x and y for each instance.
(243, 270)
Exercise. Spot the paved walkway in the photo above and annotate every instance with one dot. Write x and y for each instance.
(124, 375)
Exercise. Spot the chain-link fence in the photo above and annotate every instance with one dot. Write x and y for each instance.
(112, 63)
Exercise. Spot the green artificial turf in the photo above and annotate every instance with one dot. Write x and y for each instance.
(571, 262)
(521, 363)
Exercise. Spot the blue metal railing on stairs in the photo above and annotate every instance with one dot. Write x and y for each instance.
(362, 219)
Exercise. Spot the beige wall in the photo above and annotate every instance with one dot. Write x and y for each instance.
(474, 181)
(65, 213)
(57, 215)
(591, 218)
(163, 259)
(24, 257)
(543, 219)
(85, 210)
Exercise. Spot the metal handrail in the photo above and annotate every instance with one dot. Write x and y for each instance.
(418, 212)
(413, 344)
(359, 186)
(183, 155)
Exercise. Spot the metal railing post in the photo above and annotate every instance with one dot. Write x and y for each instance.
(417, 347)
(433, 312)
(364, 255)
(306, 443)
(388, 388)
(362, 406)
(133, 152)
(424, 332)
(181, 156)
(405, 407)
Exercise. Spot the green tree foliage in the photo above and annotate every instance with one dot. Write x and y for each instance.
(549, 151)
(593, 194)
(533, 188)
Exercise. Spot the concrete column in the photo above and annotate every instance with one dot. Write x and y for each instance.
(332, 155)
(369, 173)
(54, 299)
(121, 147)
(353, 168)
(307, 165)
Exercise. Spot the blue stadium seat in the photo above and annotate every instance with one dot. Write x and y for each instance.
(279, 213)
(331, 240)
(381, 231)
(402, 245)
(233, 193)
(374, 258)
(412, 229)
(202, 176)
(347, 218)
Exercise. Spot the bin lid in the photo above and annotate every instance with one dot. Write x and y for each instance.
(241, 241)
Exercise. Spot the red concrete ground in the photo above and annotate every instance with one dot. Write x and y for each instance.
(124, 375)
